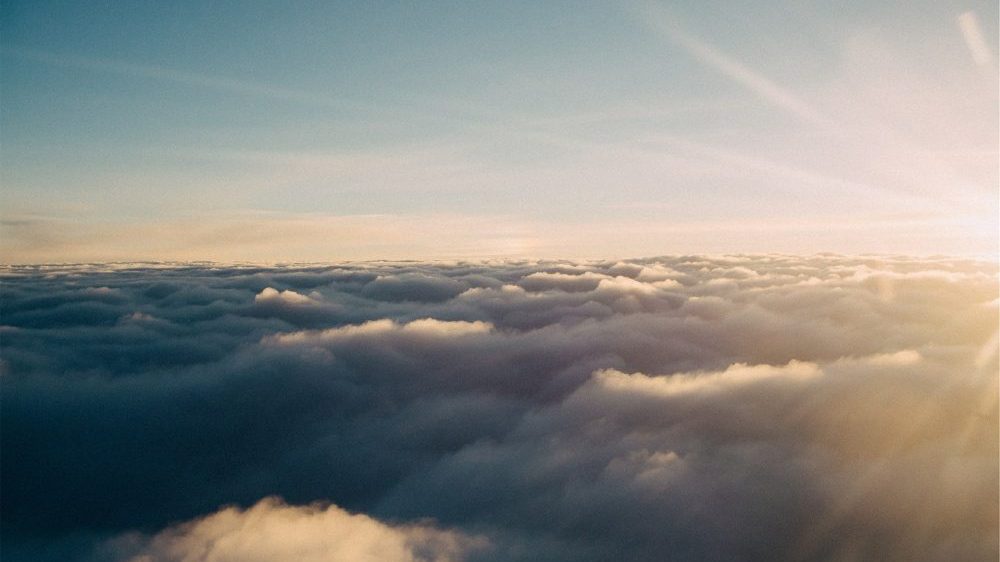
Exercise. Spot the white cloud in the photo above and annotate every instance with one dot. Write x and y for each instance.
(271, 531)
(693, 383)
(899, 358)
(424, 327)
(442, 328)
(541, 281)
(973, 35)
(659, 20)
(271, 295)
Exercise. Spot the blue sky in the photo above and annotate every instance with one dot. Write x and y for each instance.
(319, 131)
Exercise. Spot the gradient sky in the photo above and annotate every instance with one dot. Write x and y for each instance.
(260, 131)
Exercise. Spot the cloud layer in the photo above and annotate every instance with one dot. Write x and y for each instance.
(690, 408)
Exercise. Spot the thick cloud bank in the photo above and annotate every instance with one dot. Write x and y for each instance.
(683, 408)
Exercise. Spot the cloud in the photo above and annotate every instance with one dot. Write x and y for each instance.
(540, 281)
(682, 407)
(695, 383)
(657, 18)
(272, 530)
(413, 287)
(270, 295)
(163, 74)
(968, 23)
(240, 237)
(380, 329)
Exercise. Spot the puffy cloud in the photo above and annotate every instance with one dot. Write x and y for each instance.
(420, 287)
(541, 281)
(270, 295)
(685, 383)
(272, 530)
(688, 408)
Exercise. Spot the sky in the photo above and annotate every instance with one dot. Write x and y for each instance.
(324, 131)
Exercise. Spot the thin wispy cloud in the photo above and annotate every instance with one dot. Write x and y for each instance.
(579, 124)
(793, 179)
(968, 23)
(659, 19)
(194, 79)
(269, 237)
